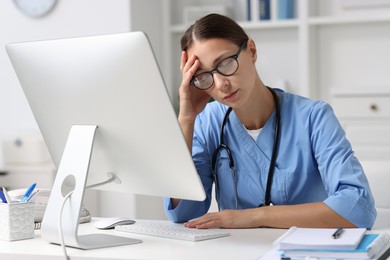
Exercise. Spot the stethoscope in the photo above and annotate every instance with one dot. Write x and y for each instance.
(222, 146)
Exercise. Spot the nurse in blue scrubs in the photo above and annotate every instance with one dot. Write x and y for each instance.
(314, 179)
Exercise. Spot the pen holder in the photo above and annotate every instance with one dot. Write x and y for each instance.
(16, 221)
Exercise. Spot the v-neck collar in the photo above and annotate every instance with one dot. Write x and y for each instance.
(264, 142)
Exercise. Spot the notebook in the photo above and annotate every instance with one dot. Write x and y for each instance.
(319, 238)
(372, 246)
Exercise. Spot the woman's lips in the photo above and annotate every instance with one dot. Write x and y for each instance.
(231, 95)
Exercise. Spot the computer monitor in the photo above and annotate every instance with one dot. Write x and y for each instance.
(104, 111)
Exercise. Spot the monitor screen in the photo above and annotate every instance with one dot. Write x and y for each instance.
(112, 82)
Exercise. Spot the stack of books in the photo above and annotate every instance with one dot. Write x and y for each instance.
(270, 10)
(348, 243)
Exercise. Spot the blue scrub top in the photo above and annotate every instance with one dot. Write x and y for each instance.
(315, 162)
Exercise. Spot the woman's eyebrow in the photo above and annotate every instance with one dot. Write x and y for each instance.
(217, 60)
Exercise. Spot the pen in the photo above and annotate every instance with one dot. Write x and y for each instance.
(338, 233)
(2, 196)
(7, 197)
(28, 192)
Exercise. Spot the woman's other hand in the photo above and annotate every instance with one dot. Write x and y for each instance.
(223, 219)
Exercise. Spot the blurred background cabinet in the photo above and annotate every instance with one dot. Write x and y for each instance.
(365, 117)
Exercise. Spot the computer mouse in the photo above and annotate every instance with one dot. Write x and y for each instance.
(109, 223)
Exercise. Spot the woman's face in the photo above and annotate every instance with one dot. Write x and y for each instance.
(232, 90)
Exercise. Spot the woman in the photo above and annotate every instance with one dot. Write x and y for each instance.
(314, 179)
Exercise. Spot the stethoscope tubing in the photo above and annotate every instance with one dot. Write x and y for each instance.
(274, 151)
(223, 146)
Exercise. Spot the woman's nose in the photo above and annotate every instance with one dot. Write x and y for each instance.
(220, 81)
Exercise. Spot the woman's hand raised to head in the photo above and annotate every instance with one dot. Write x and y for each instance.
(192, 100)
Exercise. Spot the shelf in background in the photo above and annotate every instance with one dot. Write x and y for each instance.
(360, 91)
(291, 23)
(348, 20)
(271, 24)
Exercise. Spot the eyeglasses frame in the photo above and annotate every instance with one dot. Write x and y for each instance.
(211, 72)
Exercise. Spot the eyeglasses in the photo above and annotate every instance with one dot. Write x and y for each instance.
(226, 67)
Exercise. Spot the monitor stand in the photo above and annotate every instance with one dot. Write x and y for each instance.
(73, 169)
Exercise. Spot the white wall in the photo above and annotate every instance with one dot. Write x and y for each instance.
(68, 19)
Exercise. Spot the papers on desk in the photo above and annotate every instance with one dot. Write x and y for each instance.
(299, 243)
(319, 238)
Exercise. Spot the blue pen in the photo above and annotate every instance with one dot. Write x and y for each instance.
(28, 192)
(7, 197)
(2, 197)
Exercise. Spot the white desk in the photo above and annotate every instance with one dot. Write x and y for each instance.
(242, 244)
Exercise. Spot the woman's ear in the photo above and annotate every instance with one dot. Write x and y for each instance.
(252, 48)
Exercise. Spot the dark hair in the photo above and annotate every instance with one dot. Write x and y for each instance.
(213, 26)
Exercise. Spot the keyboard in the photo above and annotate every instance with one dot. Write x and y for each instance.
(171, 230)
